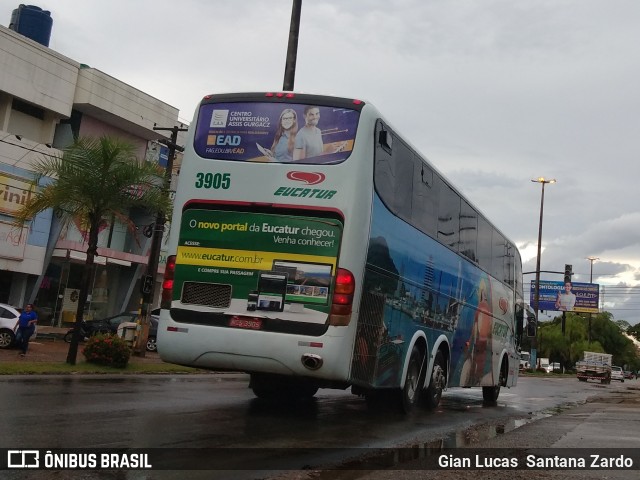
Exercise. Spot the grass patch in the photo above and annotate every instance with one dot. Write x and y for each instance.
(57, 368)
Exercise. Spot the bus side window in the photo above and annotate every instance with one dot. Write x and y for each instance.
(498, 252)
(393, 173)
(424, 210)
(384, 172)
(385, 140)
(485, 234)
(403, 167)
(518, 272)
(468, 231)
(449, 216)
(508, 265)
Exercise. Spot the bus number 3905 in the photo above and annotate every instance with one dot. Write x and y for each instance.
(211, 180)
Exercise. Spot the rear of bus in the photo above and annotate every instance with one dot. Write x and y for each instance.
(268, 237)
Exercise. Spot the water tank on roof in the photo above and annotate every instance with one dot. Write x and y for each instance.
(33, 23)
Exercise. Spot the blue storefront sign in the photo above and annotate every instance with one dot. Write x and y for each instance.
(163, 158)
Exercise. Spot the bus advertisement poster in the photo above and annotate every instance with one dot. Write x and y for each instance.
(568, 297)
(273, 132)
(279, 266)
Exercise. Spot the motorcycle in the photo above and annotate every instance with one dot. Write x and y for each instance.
(86, 331)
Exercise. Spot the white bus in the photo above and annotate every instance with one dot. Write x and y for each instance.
(312, 247)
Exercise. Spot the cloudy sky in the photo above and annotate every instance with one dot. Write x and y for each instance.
(493, 92)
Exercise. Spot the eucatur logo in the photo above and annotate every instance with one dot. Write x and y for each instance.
(503, 303)
(310, 178)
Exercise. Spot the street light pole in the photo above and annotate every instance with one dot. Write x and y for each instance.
(292, 48)
(591, 259)
(543, 181)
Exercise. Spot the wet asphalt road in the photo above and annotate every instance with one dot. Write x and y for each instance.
(209, 411)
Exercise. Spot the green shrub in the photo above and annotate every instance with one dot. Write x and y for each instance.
(109, 350)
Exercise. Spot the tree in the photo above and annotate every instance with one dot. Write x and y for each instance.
(607, 337)
(634, 331)
(610, 336)
(623, 325)
(95, 180)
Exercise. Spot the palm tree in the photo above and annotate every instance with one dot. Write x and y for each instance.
(95, 180)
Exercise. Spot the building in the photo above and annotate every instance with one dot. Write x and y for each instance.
(47, 99)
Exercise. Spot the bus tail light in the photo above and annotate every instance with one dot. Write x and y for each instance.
(167, 282)
(280, 94)
(342, 300)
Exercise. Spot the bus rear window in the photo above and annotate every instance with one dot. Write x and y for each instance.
(275, 132)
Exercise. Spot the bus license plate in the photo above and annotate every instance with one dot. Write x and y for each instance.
(249, 323)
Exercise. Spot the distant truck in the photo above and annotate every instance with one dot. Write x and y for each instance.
(594, 366)
(544, 364)
(525, 360)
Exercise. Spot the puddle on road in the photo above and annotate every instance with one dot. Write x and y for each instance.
(480, 433)
(400, 457)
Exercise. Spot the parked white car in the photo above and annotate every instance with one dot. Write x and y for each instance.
(553, 367)
(617, 373)
(549, 367)
(8, 318)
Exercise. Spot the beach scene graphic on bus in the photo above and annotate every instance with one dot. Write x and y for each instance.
(258, 264)
(423, 285)
(273, 132)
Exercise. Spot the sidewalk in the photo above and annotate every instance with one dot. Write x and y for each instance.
(607, 424)
(49, 346)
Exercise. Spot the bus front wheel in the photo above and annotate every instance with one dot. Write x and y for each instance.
(490, 394)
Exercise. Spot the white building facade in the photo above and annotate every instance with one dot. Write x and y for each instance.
(47, 100)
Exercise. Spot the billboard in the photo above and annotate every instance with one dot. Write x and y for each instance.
(569, 297)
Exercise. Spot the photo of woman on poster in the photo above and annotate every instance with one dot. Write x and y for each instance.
(566, 301)
(284, 139)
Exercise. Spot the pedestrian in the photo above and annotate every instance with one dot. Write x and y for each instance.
(25, 326)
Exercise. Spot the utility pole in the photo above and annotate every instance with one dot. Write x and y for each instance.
(148, 281)
(534, 340)
(292, 49)
(568, 273)
(591, 259)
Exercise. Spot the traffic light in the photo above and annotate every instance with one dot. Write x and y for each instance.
(532, 325)
(146, 284)
(568, 271)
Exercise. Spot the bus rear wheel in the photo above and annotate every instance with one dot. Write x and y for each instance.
(437, 383)
(414, 381)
